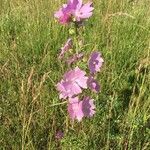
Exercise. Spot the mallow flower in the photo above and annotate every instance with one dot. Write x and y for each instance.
(72, 83)
(75, 109)
(88, 107)
(83, 11)
(64, 14)
(65, 48)
(79, 109)
(59, 135)
(74, 10)
(67, 89)
(93, 84)
(77, 76)
(95, 62)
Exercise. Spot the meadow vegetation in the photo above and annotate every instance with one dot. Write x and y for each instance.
(30, 110)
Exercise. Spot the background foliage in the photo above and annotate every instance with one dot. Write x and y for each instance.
(30, 113)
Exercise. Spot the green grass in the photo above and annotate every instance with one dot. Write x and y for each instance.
(29, 43)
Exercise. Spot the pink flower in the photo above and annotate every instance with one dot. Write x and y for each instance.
(72, 83)
(93, 84)
(83, 11)
(95, 62)
(63, 14)
(66, 47)
(74, 9)
(74, 58)
(59, 135)
(77, 76)
(73, 4)
(88, 107)
(68, 89)
(75, 109)
(79, 109)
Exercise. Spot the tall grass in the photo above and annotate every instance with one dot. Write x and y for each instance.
(30, 113)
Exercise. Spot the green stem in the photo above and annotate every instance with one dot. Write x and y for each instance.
(57, 104)
(76, 38)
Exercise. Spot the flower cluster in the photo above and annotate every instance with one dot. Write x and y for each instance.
(74, 10)
(75, 81)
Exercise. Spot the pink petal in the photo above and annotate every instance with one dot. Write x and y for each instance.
(93, 84)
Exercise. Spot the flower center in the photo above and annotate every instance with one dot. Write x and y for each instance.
(94, 62)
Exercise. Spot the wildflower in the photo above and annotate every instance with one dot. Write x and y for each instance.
(66, 47)
(68, 89)
(79, 109)
(88, 107)
(93, 84)
(83, 11)
(75, 58)
(74, 9)
(63, 14)
(72, 83)
(95, 62)
(59, 135)
(77, 76)
(75, 109)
